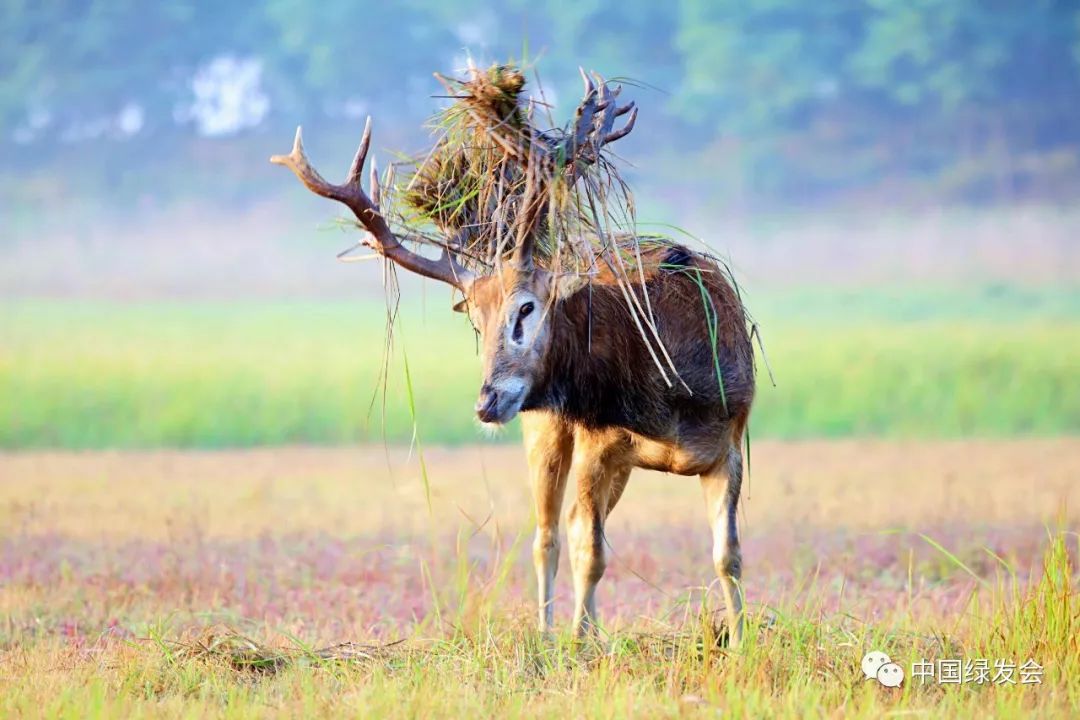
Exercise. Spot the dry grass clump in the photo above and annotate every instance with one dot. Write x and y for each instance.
(497, 187)
(495, 178)
(222, 644)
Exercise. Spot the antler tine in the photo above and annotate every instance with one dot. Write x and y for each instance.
(356, 169)
(587, 80)
(598, 79)
(612, 111)
(391, 172)
(366, 209)
(376, 191)
(583, 120)
(297, 161)
(607, 116)
(625, 129)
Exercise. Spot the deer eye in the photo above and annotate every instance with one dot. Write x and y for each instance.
(523, 312)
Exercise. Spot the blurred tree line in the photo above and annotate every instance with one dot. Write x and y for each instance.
(976, 99)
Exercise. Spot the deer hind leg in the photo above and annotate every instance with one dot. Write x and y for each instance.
(722, 484)
(549, 445)
(618, 485)
(600, 472)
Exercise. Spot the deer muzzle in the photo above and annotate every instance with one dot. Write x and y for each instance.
(487, 405)
(501, 400)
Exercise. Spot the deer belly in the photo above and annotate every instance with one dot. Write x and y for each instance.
(681, 458)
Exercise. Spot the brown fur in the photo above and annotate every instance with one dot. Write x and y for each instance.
(596, 405)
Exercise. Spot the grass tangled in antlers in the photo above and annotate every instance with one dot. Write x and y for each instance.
(495, 180)
(471, 187)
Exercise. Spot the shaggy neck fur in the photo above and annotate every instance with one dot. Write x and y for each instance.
(599, 371)
(593, 373)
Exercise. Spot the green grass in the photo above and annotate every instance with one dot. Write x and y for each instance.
(83, 375)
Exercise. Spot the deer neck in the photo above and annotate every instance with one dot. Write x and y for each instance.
(574, 364)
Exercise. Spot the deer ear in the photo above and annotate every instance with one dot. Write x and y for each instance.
(461, 306)
(567, 285)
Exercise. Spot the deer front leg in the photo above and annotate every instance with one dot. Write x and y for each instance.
(599, 470)
(722, 485)
(549, 446)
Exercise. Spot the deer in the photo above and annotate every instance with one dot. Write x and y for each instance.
(563, 353)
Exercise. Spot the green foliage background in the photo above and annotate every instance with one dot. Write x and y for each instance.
(977, 98)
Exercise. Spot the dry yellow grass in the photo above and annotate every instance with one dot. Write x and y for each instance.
(862, 485)
(118, 570)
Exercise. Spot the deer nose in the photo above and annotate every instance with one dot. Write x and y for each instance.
(486, 404)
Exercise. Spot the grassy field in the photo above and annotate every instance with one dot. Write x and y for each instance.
(995, 361)
(324, 583)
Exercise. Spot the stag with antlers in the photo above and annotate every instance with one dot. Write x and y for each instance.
(640, 359)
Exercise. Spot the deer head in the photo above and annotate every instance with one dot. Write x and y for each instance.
(512, 309)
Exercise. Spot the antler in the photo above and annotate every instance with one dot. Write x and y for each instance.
(352, 195)
(529, 211)
(594, 122)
